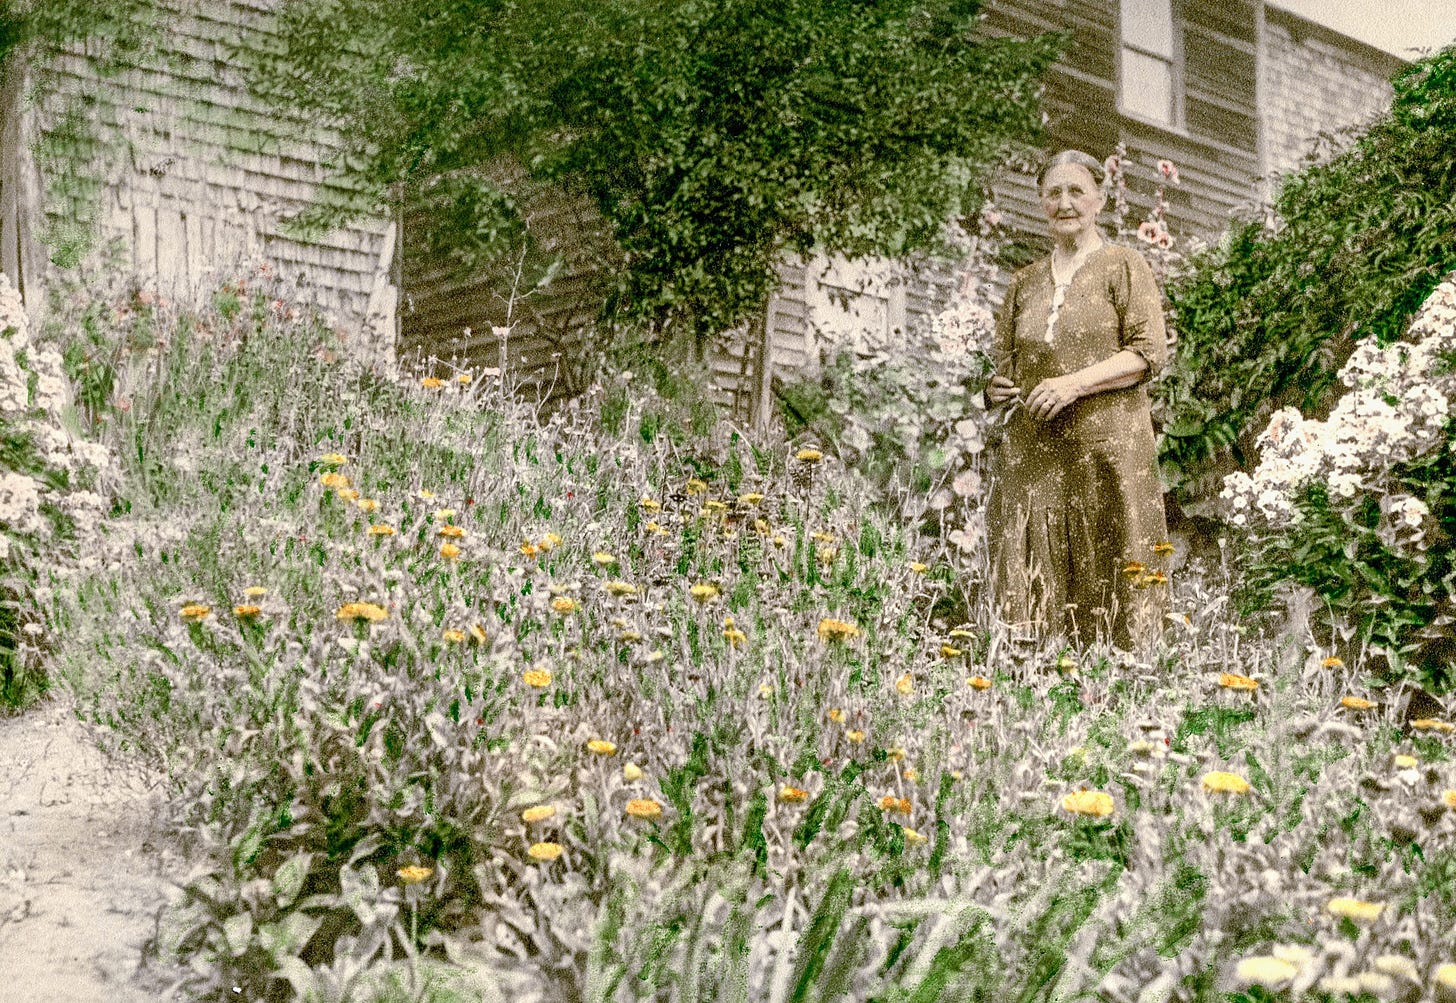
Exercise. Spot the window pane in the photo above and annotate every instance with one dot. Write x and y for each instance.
(1148, 24)
(1147, 87)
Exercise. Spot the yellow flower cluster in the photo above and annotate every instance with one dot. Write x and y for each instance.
(333, 480)
(539, 678)
(837, 630)
(414, 874)
(539, 813)
(369, 611)
(1223, 782)
(196, 612)
(1233, 681)
(1097, 804)
(644, 808)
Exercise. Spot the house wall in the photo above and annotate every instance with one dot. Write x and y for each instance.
(164, 168)
(1316, 81)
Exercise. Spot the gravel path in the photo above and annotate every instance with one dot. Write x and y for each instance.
(80, 866)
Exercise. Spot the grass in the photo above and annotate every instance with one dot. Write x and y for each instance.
(834, 819)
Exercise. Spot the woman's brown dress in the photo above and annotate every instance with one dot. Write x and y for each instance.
(1075, 505)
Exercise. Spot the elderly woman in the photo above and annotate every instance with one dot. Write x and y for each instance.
(1075, 516)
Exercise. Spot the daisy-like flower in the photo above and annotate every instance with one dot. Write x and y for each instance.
(603, 559)
(751, 498)
(333, 459)
(346, 494)
(1152, 578)
(441, 514)
(704, 592)
(891, 803)
(905, 685)
(381, 529)
(195, 612)
(538, 813)
(696, 486)
(894, 754)
(255, 592)
(714, 507)
(530, 549)
(631, 772)
(564, 605)
(978, 683)
(1356, 909)
(855, 735)
(451, 532)
(819, 536)
(414, 874)
(333, 480)
(432, 383)
(372, 612)
(918, 568)
(1223, 782)
(808, 456)
(1404, 762)
(1233, 681)
(1433, 724)
(951, 651)
(1333, 662)
(539, 678)
(912, 774)
(793, 795)
(454, 636)
(1265, 970)
(644, 808)
(629, 636)
(246, 611)
(1355, 703)
(650, 504)
(912, 838)
(545, 852)
(1134, 569)
(828, 554)
(463, 378)
(426, 494)
(619, 589)
(367, 504)
(837, 630)
(601, 747)
(449, 551)
(550, 541)
(836, 715)
(1163, 549)
(1097, 804)
(734, 636)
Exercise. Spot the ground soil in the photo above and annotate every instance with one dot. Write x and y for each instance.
(83, 873)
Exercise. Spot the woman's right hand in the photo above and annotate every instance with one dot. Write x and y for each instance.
(1000, 390)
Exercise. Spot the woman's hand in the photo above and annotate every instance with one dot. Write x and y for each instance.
(1000, 390)
(1050, 397)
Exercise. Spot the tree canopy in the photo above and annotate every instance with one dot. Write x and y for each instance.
(712, 135)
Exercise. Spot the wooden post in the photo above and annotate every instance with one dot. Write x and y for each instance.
(763, 386)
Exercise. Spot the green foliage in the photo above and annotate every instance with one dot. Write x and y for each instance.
(712, 137)
(1349, 250)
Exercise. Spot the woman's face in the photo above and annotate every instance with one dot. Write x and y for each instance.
(1071, 200)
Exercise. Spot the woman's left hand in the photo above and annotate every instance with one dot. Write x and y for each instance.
(1050, 397)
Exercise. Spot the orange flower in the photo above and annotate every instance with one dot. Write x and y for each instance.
(905, 685)
(367, 505)
(244, 612)
(432, 383)
(836, 715)
(1432, 724)
(644, 808)
(539, 678)
(602, 747)
(564, 605)
(1333, 662)
(454, 636)
(891, 803)
(453, 532)
(449, 551)
(1231, 681)
(372, 612)
(1163, 549)
(414, 874)
(196, 612)
(1134, 568)
(793, 795)
(544, 852)
(381, 529)
(837, 630)
(333, 480)
(1094, 803)
(855, 735)
(1356, 703)
(979, 683)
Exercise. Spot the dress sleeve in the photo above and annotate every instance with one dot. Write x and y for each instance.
(1003, 356)
(1140, 306)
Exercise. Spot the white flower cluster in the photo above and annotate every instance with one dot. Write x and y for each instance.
(963, 329)
(1397, 410)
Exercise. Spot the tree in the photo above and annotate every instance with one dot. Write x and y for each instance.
(712, 135)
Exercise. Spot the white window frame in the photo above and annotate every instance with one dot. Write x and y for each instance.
(1173, 59)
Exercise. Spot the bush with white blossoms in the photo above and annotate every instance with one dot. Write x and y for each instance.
(1345, 504)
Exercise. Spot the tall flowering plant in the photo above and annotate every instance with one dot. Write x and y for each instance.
(1358, 505)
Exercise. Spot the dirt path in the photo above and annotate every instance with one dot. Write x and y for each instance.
(80, 868)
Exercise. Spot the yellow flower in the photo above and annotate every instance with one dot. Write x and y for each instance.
(1449, 799)
(793, 795)
(619, 589)
(539, 678)
(765, 690)
(629, 636)
(979, 683)
(809, 456)
(1404, 762)
(1232, 681)
(855, 735)
(544, 851)
(696, 486)
(432, 383)
(441, 514)
(1134, 569)
(704, 592)
(451, 532)
(951, 651)
(564, 604)
(602, 747)
(602, 558)
(427, 494)
(381, 529)
(1445, 976)
(1333, 662)
(1432, 724)
(1094, 803)
(912, 837)
(643, 808)
(1066, 664)
(477, 633)
(828, 554)
(656, 530)
(1152, 578)
(1356, 703)
(751, 498)
(550, 541)
(346, 494)
(837, 630)
(1163, 549)
(454, 636)
(836, 715)
(255, 592)
(912, 775)
(734, 636)
(631, 772)
(891, 803)
(905, 685)
(714, 507)
(539, 813)
(919, 568)
(779, 541)
(195, 612)
(819, 536)
(1265, 971)
(449, 551)
(463, 378)
(333, 480)
(650, 504)
(372, 612)
(530, 549)
(1366, 912)
(367, 505)
(244, 612)
(414, 874)
(1222, 782)
(333, 459)
(961, 634)
(894, 754)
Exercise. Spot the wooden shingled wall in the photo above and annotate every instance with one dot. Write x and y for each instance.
(184, 180)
